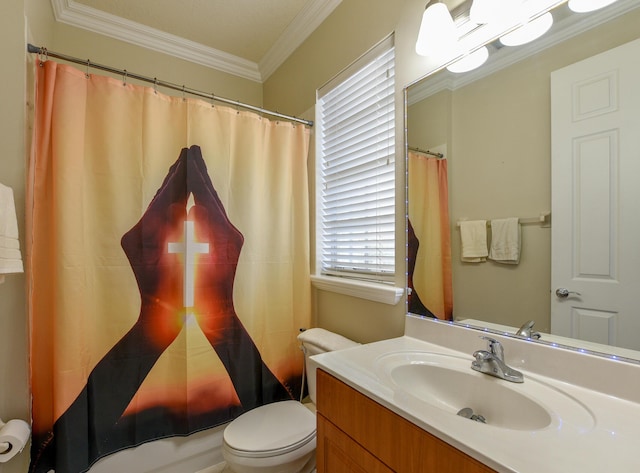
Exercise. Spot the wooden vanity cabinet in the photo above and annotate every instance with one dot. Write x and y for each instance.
(356, 434)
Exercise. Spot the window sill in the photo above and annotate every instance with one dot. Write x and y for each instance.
(364, 290)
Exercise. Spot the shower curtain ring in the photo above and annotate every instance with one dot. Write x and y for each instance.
(155, 85)
(184, 97)
(213, 97)
(86, 74)
(43, 56)
(124, 78)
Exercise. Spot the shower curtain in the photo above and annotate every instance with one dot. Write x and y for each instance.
(168, 265)
(429, 238)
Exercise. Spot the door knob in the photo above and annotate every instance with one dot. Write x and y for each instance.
(563, 292)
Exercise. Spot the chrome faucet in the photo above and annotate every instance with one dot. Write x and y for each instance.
(527, 330)
(491, 362)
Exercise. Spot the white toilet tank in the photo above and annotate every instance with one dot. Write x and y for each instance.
(315, 341)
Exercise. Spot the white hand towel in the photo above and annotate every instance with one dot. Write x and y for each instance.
(473, 236)
(10, 256)
(505, 241)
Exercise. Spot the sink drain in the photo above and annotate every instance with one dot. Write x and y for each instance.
(467, 412)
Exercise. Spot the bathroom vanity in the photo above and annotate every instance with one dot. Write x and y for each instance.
(356, 434)
(391, 406)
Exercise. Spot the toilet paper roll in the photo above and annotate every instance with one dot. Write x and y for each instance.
(16, 434)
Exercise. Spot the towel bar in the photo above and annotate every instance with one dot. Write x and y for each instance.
(544, 219)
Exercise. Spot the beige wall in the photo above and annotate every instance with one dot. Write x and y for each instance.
(14, 392)
(499, 166)
(430, 121)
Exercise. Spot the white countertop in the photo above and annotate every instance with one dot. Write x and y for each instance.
(607, 444)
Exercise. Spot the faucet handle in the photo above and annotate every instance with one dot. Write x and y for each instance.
(526, 330)
(494, 347)
(482, 355)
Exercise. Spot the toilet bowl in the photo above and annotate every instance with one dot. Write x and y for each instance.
(281, 437)
(275, 438)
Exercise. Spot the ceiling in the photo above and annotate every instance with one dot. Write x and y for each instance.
(247, 38)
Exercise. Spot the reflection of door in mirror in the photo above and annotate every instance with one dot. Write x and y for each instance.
(595, 117)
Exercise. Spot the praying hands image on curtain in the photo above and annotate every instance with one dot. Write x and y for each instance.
(169, 266)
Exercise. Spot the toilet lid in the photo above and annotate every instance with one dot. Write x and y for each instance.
(275, 428)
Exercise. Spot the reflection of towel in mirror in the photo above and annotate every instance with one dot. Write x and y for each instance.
(473, 236)
(505, 241)
(10, 256)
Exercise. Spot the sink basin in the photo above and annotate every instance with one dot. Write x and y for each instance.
(448, 383)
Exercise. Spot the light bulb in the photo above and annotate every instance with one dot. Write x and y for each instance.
(438, 34)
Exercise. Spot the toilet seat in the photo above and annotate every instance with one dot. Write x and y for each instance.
(271, 430)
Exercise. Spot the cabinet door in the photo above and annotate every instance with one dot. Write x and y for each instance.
(394, 442)
(338, 453)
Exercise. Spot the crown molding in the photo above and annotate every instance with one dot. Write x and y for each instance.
(309, 18)
(313, 14)
(75, 14)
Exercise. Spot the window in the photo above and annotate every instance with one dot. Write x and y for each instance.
(356, 170)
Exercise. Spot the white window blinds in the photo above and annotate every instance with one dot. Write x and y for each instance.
(357, 171)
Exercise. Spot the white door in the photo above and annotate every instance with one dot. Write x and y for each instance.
(595, 156)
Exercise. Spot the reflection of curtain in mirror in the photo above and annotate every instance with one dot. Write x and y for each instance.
(429, 219)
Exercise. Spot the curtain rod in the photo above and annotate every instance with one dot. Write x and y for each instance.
(431, 153)
(180, 88)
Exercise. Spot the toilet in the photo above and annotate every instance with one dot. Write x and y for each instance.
(281, 437)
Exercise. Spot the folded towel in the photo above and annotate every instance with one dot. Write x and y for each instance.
(505, 241)
(10, 256)
(473, 236)
(325, 340)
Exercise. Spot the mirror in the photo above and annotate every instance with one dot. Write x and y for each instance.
(493, 127)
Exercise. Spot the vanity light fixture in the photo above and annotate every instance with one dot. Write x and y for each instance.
(583, 6)
(438, 35)
(470, 61)
(494, 11)
(443, 39)
(529, 31)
